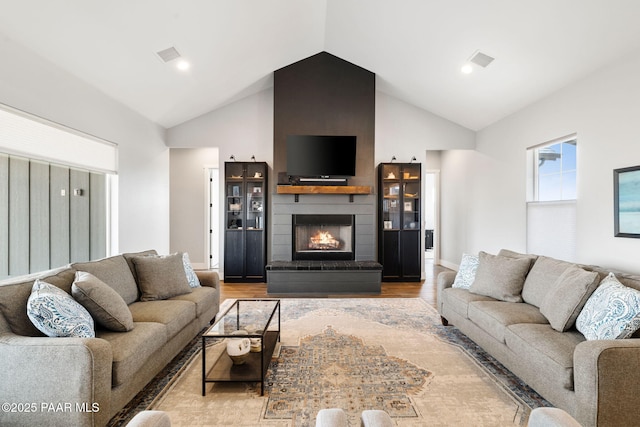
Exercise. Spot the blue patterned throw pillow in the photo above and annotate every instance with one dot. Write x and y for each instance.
(467, 272)
(56, 314)
(192, 278)
(612, 311)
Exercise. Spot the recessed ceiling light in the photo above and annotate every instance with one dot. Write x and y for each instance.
(182, 65)
(466, 69)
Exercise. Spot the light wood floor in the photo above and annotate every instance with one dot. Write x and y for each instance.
(425, 289)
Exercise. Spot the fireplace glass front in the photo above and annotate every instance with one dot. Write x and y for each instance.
(323, 237)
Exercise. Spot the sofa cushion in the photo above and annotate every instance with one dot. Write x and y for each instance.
(173, 314)
(14, 294)
(458, 300)
(563, 302)
(612, 311)
(133, 349)
(115, 272)
(493, 317)
(542, 278)
(161, 277)
(467, 271)
(545, 350)
(500, 277)
(202, 297)
(56, 314)
(104, 304)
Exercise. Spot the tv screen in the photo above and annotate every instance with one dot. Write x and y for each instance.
(321, 155)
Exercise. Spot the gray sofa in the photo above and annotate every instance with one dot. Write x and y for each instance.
(596, 381)
(86, 381)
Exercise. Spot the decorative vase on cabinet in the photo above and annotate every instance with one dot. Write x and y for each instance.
(399, 221)
(245, 239)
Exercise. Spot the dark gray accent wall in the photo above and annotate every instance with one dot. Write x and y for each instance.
(325, 95)
(42, 228)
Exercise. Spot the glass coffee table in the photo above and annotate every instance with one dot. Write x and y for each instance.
(256, 317)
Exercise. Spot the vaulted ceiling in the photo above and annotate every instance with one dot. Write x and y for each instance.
(415, 47)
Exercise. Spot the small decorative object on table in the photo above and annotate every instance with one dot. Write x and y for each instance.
(238, 348)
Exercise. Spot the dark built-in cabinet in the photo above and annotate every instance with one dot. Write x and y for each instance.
(245, 237)
(399, 221)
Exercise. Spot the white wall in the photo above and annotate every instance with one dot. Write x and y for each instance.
(488, 203)
(404, 130)
(243, 128)
(31, 84)
(189, 194)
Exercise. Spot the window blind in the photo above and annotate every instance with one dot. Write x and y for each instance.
(551, 229)
(36, 138)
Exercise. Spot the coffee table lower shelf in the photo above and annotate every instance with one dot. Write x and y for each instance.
(253, 370)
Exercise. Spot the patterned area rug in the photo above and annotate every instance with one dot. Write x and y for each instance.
(355, 354)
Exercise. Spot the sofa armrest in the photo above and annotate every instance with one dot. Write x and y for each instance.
(55, 381)
(606, 382)
(445, 280)
(208, 278)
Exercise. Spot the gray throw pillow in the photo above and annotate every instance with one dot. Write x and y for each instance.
(161, 277)
(115, 272)
(104, 304)
(500, 277)
(569, 293)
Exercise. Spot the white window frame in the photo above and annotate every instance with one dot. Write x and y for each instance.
(551, 224)
(533, 170)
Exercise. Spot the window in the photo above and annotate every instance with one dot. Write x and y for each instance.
(555, 171)
(552, 193)
(57, 194)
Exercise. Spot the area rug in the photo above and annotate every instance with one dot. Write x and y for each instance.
(355, 354)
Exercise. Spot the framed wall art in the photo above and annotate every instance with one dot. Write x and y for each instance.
(626, 202)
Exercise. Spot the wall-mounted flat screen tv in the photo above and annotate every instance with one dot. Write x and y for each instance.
(321, 155)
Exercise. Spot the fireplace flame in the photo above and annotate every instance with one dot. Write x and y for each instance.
(323, 240)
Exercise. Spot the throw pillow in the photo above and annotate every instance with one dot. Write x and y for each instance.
(500, 277)
(467, 272)
(192, 278)
(56, 314)
(161, 277)
(104, 304)
(611, 312)
(569, 293)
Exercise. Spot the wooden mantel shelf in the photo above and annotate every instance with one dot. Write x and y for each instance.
(323, 189)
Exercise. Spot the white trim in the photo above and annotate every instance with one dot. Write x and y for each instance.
(27, 135)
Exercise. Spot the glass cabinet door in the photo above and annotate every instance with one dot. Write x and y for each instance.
(235, 196)
(256, 174)
(235, 205)
(391, 209)
(411, 196)
(255, 205)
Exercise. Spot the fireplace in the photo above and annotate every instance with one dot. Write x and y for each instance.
(323, 237)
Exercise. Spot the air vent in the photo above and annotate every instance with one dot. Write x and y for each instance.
(168, 54)
(481, 59)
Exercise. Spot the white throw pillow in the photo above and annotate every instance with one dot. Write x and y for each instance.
(192, 278)
(612, 311)
(56, 314)
(467, 272)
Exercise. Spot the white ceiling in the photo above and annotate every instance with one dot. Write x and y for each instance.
(415, 47)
